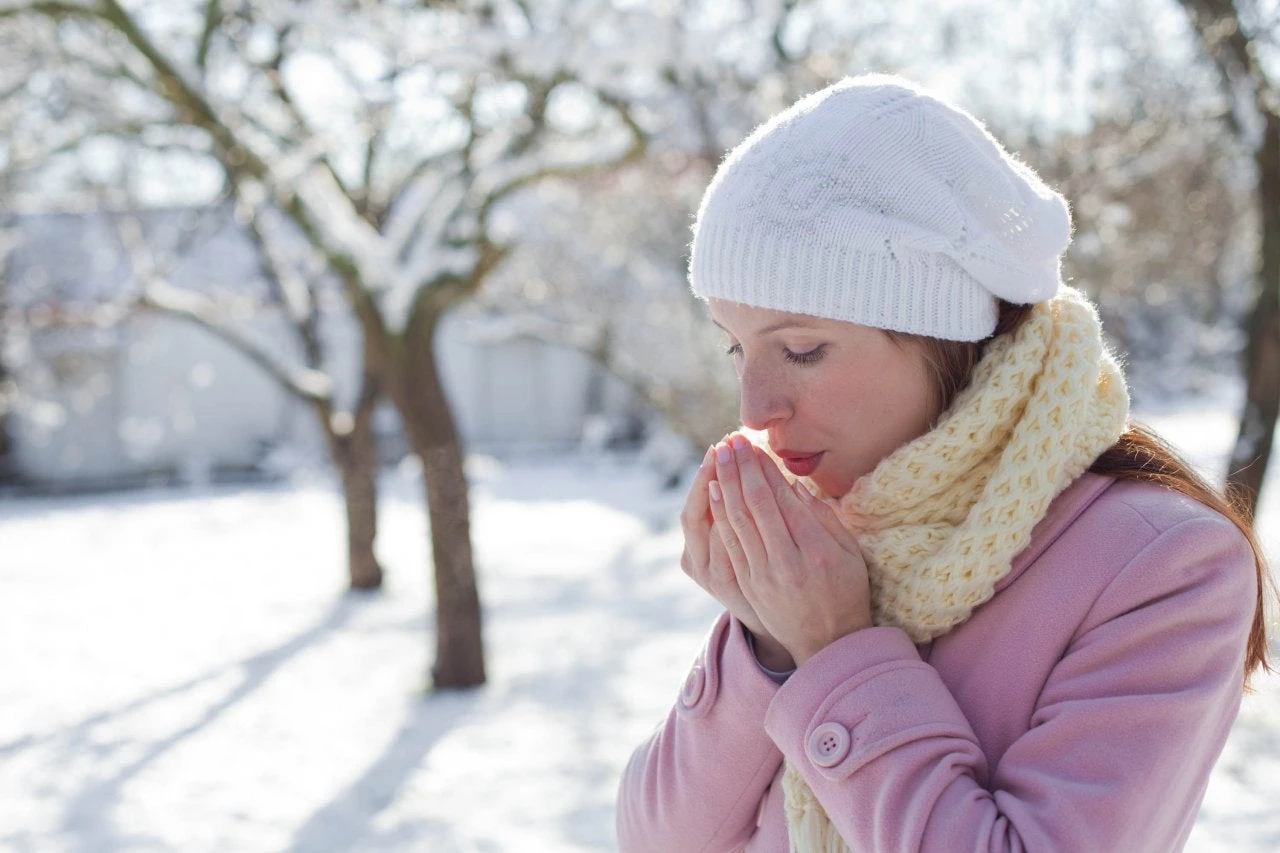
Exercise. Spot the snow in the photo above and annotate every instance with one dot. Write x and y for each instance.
(183, 673)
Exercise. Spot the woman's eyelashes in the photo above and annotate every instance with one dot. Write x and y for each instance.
(812, 356)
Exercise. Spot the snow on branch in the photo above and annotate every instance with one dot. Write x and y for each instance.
(313, 386)
(582, 158)
(158, 294)
(424, 206)
(313, 197)
(9, 9)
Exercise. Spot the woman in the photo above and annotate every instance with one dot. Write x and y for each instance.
(981, 610)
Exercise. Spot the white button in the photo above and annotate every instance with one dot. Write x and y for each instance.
(828, 744)
(693, 684)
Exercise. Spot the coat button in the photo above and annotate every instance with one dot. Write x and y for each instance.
(693, 685)
(828, 744)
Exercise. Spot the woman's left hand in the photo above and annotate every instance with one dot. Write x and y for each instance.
(797, 565)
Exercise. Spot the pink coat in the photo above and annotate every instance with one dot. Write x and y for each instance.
(1080, 709)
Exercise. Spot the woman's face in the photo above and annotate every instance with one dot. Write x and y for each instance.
(834, 397)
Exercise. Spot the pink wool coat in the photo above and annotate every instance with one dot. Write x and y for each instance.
(1080, 709)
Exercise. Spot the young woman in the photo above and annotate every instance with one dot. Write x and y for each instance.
(968, 604)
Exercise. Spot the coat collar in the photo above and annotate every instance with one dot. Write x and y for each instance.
(1065, 508)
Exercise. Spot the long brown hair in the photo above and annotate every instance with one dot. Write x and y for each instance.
(1139, 454)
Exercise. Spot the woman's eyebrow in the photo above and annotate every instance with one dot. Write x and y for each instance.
(773, 327)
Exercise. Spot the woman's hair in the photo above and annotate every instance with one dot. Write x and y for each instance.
(1139, 454)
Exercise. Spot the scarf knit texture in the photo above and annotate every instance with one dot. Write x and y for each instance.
(941, 519)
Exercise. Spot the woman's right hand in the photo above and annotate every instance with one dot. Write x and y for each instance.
(707, 562)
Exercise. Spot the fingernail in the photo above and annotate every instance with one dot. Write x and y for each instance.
(741, 445)
(713, 488)
(723, 453)
(706, 460)
(802, 491)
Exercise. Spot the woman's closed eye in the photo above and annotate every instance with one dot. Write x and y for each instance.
(812, 356)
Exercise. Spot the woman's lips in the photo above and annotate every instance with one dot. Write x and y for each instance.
(802, 466)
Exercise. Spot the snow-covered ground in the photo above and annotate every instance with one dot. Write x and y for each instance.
(179, 670)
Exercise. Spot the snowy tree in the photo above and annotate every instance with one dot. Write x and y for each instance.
(391, 134)
(1158, 200)
(76, 130)
(1241, 39)
(1157, 242)
(300, 290)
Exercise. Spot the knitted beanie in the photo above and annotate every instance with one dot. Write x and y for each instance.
(876, 202)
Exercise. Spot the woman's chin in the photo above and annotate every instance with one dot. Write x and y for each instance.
(832, 485)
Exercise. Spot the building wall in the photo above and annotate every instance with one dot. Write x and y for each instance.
(157, 396)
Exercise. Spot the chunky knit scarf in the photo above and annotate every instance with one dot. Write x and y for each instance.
(941, 518)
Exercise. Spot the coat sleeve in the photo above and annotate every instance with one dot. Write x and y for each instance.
(1119, 747)
(696, 785)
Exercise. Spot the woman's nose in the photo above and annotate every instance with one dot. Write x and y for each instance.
(761, 401)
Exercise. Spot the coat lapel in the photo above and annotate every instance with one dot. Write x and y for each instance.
(1065, 509)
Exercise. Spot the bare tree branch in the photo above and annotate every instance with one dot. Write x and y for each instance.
(467, 109)
(448, 289)
(413, 178)
(348, 249)
(311, 386)
(636, 148)
(51, 8)
(294, 292)
(775, 38)
(212, 19)
(158, 294)
(364, 197)
(275, 80)
(536, 111)
(13, 90)
(125, 131)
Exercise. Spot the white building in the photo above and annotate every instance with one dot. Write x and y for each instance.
(150, 396)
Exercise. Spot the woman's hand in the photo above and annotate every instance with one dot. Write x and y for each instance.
(800, 571)
(706, 560)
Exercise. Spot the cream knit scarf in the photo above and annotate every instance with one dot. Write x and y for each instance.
(941, 518)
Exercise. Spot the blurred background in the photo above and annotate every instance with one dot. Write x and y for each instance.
(350, 383)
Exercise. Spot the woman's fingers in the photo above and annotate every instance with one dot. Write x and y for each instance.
(733, 507)
(827, 517)
(800, 522)
(804, 514)
(720, 565)
(695, 519)
(760, 500)
(722, 528)
(696, 512)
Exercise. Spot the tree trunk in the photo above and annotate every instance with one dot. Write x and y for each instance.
(356, 455)
(357, 466)
(6, 443)
(428, 422)
(1262, 353)
(7, 389)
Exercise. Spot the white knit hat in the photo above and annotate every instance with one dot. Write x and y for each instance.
(876, 202)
